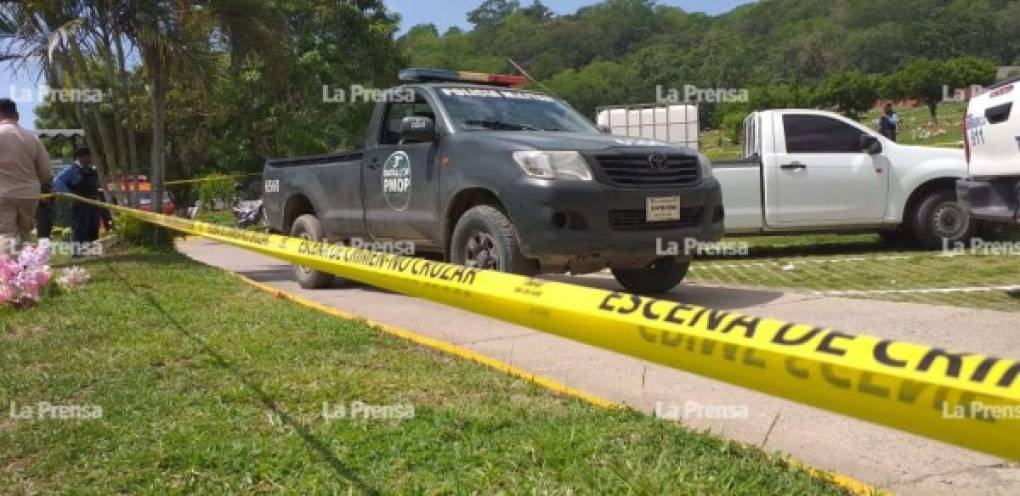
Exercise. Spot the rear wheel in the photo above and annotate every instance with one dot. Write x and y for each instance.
(308, 227)
(940, 220)
(662, 275)
(484, 238)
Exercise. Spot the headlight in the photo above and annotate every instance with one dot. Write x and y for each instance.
(553, 165)
(706, 167)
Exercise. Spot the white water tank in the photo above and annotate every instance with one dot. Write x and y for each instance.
(673, 124)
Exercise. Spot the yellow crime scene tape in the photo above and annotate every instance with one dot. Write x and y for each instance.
(956, 397)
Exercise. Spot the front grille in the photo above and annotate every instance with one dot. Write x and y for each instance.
(634, 220)
(637, 170)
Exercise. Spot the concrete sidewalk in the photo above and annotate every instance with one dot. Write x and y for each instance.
(899, 462)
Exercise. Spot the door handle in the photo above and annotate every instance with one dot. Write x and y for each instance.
(373, 164)
(793, 166)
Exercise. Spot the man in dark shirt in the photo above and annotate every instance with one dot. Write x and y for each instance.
(888, 123)
(81, 179)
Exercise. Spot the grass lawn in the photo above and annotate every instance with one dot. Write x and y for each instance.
(866, 264)
(221, 217)
(209, 386)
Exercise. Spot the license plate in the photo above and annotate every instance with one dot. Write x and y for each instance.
(662, 208)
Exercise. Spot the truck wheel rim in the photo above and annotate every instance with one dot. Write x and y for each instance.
(481, 251)
(949, 221)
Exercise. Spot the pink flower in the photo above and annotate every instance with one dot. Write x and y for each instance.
(23, 278)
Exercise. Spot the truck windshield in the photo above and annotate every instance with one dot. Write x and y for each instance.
(510, 110)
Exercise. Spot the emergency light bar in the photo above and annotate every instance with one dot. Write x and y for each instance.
(419, 75)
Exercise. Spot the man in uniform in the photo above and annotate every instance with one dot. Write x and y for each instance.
(81, 179)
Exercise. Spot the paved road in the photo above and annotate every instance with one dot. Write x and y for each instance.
(895, 461)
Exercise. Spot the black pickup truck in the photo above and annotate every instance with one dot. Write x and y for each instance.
(491, 176)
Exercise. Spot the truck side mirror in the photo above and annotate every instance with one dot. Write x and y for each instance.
(604, 129)
(870, 144)
(415, 129)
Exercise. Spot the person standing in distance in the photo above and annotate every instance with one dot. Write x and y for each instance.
(82, 179)
(888, 123)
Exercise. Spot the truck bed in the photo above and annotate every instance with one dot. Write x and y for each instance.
(330, 184)
(742, 188)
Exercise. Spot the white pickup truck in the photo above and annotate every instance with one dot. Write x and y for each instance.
(992, 138)
(816, 171)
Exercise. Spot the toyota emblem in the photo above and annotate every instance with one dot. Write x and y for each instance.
(658, 161)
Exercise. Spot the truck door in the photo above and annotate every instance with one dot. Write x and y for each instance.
(823, 177)
(401, 180)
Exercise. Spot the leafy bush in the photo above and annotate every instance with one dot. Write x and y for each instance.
(216, 188)
(135, 232)
(733, 125)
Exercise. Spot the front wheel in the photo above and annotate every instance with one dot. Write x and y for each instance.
(939, 220)
(308, 227)
(662, 275)
(484, 238)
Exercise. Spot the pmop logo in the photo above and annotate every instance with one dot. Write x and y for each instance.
(396, 180)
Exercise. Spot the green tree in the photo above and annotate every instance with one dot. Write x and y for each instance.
(851, 93)
(966, 71)
(599, 83)
(492, 12)
(922, 79)
(778, 96)
(175, 36)
(928, 81)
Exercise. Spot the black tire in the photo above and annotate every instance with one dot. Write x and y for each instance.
(485, 238)
(308, 226)
(662, 275)
(939, 219)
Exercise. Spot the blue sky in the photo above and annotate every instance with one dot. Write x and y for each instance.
(450, 13)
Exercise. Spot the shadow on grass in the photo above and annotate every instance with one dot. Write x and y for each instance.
(313, 443)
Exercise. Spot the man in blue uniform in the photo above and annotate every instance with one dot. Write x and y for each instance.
(82, 179)
(888, 122)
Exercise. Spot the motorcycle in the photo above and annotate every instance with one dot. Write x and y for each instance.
(248, 213)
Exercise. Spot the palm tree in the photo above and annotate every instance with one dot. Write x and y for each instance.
(78, 42)
(174, 34)
(50, 36)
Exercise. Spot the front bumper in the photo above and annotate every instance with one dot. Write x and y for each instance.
(604, 224)
(993, 200)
